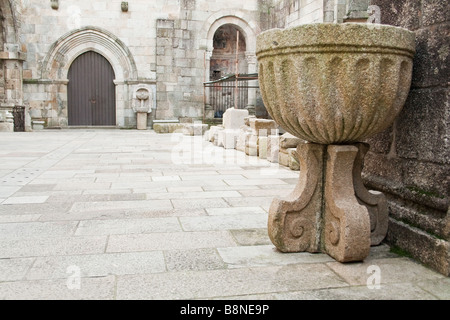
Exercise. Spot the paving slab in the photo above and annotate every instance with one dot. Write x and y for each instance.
(97, 265)
(97, 288)
(211, 283)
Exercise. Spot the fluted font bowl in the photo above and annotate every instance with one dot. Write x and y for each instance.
(335, 83)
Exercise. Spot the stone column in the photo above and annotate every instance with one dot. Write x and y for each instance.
(252, 68)
(209, 111)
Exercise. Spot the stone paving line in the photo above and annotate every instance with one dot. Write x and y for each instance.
(124, 214)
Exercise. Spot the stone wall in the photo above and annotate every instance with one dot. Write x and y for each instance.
(165, 44)
(410, 162)
(289, 13)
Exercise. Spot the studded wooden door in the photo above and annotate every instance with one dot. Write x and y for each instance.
(91, 91)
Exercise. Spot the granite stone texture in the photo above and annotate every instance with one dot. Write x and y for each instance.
(414, 172)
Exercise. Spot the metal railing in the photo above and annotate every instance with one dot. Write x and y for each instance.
(19, 118)
(229, 92)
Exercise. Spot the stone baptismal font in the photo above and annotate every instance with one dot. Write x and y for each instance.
(333, 85)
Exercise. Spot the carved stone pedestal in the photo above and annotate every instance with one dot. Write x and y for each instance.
(330, 210)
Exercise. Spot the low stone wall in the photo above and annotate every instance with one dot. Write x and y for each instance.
(190, 129)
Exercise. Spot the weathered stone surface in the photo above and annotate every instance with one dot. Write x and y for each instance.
(293, 222)
(402, 13)
(294, 163)
(432, 61)
(262, 147)
(374, 201)
(289, 141)
(247, 120)
(194, 129)
(166, 127)
(262, 126)
(244, 136)
(273, 148)
(234, 118)
(6, 127)
(434, 12)
(252, 146)
(283, 157)
(229, 138)
(142, 120)
(347, 224)
(325, 96)
(423, 129)
(213, 132)
(422, 246)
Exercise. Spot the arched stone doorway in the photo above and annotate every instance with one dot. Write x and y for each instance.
(215, 28)
(228, 52)
(63, 53)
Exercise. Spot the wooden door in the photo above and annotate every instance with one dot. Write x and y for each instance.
(91, 91)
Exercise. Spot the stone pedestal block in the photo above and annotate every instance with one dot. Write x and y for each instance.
(229, 138)
(234, 118)
(141, 118)
(330, 210)
(347, 223)
(262, 147)
(244, 136)
(273, 148)
(262, 127)
(213, 133)
(252, 147)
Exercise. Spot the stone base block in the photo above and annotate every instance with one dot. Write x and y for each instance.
(329, 210)
(6, 127)
(194, 129)
(252, 147)
(189, 129)
(141, 118)
(38, 125)
(262, 147)
(283, 157)
(229, 138)
(166, 127)
(233, 119)
(242, 141)
(273, 148)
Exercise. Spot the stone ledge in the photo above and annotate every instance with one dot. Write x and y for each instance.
(420, 245)
(189, 129)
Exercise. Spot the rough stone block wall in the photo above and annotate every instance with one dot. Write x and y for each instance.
(180, 69)
(289, 13)
(410, 162)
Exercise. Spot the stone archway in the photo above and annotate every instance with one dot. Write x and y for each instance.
(226, 49)
(248, 29)
(68, 48)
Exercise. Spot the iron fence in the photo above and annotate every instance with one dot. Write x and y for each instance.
(229, 92)
(19, 118)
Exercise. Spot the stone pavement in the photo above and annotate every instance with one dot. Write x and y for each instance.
(122, 214)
